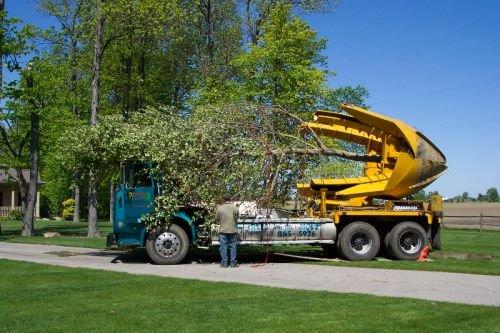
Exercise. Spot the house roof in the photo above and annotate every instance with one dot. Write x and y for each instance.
(9, 175)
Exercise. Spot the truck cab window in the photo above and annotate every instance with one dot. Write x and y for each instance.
(142, 177)
(137, 176)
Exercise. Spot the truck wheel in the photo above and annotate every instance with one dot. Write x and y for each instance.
(436, 236)
(407, 240)
(167, 246)
(330, 250)
(359, 241)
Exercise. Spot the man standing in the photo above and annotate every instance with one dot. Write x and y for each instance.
(226, 216)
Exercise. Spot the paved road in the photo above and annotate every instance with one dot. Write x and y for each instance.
(435, 286)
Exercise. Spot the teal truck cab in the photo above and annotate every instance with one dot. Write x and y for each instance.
(170, 244)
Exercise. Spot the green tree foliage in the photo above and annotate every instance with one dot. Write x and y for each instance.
(198, 156)
(283, 67)
(15, 44)
(492, 194)
(420, 195)
(256, 13)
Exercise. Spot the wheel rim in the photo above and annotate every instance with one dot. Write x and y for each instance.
(410, 242)
(167, 244)
(360, 243)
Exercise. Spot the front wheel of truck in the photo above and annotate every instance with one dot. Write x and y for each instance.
(167, 245)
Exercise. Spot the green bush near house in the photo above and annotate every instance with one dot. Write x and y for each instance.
(16, 215)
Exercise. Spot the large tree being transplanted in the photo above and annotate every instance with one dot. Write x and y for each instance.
(242, 151)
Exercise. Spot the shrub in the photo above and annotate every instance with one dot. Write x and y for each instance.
(16, 214)
(68, 209)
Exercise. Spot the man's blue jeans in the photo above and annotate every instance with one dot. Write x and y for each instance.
(228, 242)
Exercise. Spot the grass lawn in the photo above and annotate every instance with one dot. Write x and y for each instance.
(56, 299)
(72, 234)
(464, 251)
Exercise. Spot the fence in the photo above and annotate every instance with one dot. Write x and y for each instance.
(5, 210)
(481, 221)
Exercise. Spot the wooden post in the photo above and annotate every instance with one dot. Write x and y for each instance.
(481, 222)
(13, 200)
(37, 205)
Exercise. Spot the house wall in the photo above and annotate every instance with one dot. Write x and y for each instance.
(7, 193)
(6, 196)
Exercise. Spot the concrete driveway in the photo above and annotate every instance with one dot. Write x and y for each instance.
(434, 286)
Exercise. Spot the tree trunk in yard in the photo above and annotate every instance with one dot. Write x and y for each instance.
(23, 190)
(111, 202)
(93, 228)
(76, 214)
(93, 231)
(2, 12)
(29, 215)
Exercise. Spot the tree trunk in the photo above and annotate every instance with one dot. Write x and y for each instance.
(327, 152)
(142, 75)
(111, 202)
(2, 37)
(96, 66)
(74, 107)
(76, 214)
(93, 229)
(23, 190)
(74, 79)
(209, 33)
(29, 215)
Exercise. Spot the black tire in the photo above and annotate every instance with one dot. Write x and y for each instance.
(167, 246)
(330, 250)
(359, 241)
(436, 236)
(407, 240)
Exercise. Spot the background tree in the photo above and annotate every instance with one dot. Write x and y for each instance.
(420, 195)
(2, 37)
(93, 229)
(257, 12)
(284, 67)
(69, 50)
(492, 194)
(19, 125)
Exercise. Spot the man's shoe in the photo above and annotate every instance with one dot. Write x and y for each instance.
(234, 265)
(223, 266)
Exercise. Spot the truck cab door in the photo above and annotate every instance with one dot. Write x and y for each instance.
(133, 198)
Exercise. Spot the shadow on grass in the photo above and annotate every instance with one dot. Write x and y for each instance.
(201, 256)
(257, 255)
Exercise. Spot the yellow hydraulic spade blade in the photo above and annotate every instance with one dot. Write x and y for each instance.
(409, 161)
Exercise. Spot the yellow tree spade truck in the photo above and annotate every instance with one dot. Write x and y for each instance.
(358, 216)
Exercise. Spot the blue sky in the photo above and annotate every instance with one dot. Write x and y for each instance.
(434, 64)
